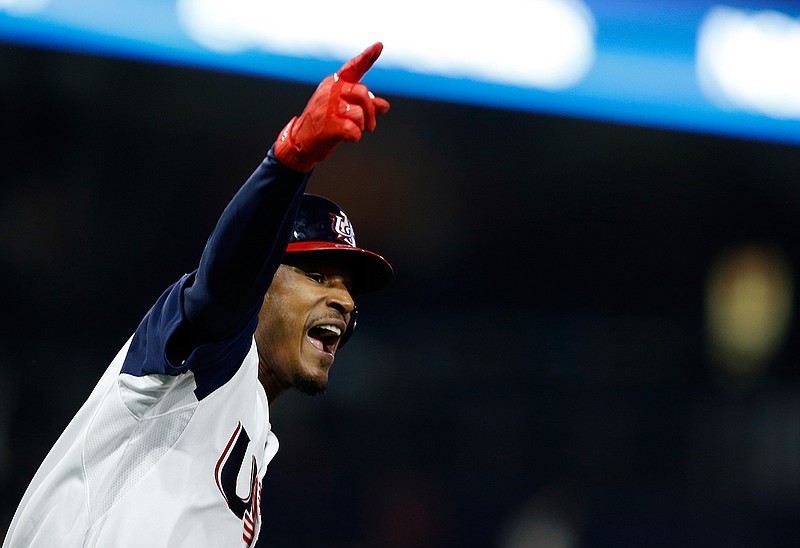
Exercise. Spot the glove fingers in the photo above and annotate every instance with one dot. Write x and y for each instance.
(339, 110)
(358, 95)
(357, 67)
(381, 106)
(349, 130)
(352, 112)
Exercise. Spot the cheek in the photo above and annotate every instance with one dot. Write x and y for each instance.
(273, 341)
(273, 318)
(280, 324)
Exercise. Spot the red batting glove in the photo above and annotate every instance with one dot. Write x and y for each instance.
(339, 110)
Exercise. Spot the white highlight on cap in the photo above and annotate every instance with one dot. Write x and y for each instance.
(750, 61)
(546, 44)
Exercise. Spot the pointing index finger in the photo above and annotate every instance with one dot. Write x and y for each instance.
(357, 67)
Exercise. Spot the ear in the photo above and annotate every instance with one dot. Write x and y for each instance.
(351, 326)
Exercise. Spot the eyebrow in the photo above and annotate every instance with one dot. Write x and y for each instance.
(326, 269)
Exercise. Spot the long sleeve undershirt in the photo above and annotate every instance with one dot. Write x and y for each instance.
(241, 256)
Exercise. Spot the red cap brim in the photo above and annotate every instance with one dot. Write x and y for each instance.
(369, 270)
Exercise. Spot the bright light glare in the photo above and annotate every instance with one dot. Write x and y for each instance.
(750, 61)
(22, 7)
(546, 44)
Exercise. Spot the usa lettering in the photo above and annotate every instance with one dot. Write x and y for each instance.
(227, 471)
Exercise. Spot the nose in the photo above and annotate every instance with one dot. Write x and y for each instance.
(340, 299)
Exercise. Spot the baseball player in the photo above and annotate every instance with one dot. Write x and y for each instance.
(171, 447)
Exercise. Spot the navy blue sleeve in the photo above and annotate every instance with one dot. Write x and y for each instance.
(243, 252)
(209, 316)
(213, 363)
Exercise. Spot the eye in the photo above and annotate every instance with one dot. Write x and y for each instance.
(316, 277)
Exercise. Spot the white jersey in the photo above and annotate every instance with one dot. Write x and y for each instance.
(158, 456)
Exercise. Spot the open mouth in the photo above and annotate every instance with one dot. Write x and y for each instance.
(324, 337)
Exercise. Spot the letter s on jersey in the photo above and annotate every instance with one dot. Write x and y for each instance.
(227, 471)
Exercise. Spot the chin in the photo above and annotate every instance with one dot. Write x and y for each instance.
(310, 385)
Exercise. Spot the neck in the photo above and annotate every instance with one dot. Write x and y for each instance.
(272, 385)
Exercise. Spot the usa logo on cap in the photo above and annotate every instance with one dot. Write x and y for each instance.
(344, 229)
(323, 230)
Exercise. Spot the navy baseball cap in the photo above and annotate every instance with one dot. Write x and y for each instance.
(322, 230)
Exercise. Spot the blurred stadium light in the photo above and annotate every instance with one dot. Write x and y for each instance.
(695, 65)
(749, 296)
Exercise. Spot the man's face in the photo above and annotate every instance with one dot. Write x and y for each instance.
(305, 313)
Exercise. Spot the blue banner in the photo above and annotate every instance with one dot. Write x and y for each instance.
(724, 68)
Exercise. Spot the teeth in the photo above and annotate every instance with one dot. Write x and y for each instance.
(332, 328)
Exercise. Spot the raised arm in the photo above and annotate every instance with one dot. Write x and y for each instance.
(249, 241)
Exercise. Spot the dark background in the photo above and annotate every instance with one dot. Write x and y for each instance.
(540, 361)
